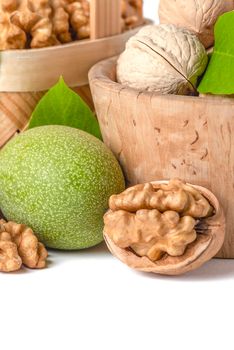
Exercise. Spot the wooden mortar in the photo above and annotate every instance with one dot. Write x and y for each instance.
(167, 136)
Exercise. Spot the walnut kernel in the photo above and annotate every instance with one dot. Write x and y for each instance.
(19, 245)
(163, 227)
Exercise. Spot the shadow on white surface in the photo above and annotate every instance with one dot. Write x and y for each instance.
(57, 256)
(100, 249)
(216, 269)
(23, 270)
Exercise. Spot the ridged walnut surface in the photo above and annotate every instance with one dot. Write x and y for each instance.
(198, 16)
(208, 242)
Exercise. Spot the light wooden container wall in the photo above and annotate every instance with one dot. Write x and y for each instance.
(161, 137)
(25, 75)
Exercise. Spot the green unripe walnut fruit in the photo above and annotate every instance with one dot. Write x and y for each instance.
(58, 180)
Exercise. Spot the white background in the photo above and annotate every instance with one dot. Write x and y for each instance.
(89, 300)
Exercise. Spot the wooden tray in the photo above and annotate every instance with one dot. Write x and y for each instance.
(27, 74)
(160, 137)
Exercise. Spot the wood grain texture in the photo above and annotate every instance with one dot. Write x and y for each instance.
(15, 111)
(161, 137)
(17, 107)
(105, 18)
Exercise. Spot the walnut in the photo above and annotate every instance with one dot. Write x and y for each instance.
(176, 195)
(131, 12)
(12, 37)
(79, 17)
(151, 233)
(198, 16)
(23, 247)
(60, 22)
(42, 23)
(164, 227)
(9, 257)
(21, 20)
(163, 59)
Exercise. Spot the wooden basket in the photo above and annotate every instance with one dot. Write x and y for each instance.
(27, 74)
(160, 137)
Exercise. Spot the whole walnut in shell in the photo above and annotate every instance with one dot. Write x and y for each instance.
(164, 59)
(198, 16)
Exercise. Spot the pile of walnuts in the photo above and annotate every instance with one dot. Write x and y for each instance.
(42, 23)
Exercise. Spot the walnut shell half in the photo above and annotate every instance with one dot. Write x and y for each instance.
(210, 237)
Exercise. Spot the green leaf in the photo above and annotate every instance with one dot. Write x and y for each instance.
(62, 106)
(219, 76)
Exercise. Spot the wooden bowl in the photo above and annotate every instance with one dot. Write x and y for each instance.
(167, 136)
